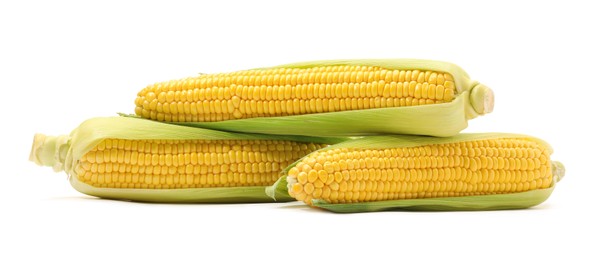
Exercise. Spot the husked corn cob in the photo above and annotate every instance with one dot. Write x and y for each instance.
(173, 164)
(259, 97)
(126, 154)
(285, 91)
(407, 167)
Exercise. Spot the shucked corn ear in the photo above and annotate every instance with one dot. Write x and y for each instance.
(143, 160)
(368, 96)
(464, 172)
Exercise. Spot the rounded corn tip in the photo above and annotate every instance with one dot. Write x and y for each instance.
(38, 142)
(558, 170)
(482, 99)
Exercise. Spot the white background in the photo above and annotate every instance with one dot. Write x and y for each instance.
(63, 62)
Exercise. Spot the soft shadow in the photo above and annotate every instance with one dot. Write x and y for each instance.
(96, 199)
(72, 198)
(296, 205)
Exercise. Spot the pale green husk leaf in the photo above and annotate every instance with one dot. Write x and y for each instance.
(253, 194)
(519, 200)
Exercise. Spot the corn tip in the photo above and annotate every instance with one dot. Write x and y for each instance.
(47, 151)
(482, 99)
(38, 142)
(558, 170)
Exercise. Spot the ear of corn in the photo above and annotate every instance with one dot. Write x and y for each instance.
(367, 96)
(463, 172)
(143, 160)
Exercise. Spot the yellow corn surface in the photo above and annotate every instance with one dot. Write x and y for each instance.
(480, 167)
(169, 164)
(291, 91)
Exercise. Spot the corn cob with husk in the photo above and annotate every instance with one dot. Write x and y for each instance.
(142, 160)
(371, 96)
(463, 172)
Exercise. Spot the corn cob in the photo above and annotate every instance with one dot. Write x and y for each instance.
(136, 159)
(371, 96)
(467, 171)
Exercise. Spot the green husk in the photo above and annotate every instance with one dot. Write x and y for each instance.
(196, 195)
(444, 119)
(64, 152)
(517, 200)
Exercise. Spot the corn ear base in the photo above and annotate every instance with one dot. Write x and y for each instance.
(63, 153)
(445, 119)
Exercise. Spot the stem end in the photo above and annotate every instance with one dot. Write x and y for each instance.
(482, 99)
(46, 151)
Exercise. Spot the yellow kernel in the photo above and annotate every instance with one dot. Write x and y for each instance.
(312, 176)
(309, 188)
(302, 177)
(297, 188)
